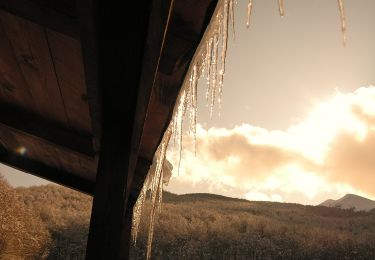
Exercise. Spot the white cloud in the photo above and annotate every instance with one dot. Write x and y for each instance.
(258, 196)
(330, 152)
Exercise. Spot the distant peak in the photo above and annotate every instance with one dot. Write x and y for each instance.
(351, 201)
(351, 195)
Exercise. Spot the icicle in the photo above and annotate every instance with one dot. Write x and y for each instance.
(137, 211)
(231, 18)
(281, 7)
(204, 62)
(193, 106)
(343, 21)
(249, 10)
(208, 67)
(224, 46)
(157, 187)
(214, 72)
(178, 121)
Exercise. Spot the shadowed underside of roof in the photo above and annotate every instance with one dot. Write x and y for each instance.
(84, 101)
(50, 121)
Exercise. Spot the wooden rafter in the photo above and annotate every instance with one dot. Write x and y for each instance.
(44, 130)
(67, 179)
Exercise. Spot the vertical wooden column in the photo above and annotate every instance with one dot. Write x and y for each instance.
(113, 35)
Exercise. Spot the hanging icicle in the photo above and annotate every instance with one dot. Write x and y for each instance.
(343, 21)
(281, 7)
(157, 187)
(231, 17)
(205, 61)
(249, 10)
(137, 210)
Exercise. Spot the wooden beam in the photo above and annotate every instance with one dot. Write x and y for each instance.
(184, 34)
(89, 46)
(41, 170)
(56, 15)
(117, 60)
(37, 127)
(150, 64)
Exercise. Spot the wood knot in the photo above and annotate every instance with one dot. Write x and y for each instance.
(29, 61)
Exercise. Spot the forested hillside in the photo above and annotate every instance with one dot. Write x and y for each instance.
(205, 226)
(23, 234)
(52, 222)
(65, 213)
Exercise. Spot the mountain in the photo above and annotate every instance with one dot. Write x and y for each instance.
(350, 201)
(169, 197)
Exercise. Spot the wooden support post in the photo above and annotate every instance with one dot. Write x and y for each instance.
(119, 51)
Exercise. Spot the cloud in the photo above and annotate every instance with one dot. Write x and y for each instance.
(352, 161)
(258, 196)
(329, 153)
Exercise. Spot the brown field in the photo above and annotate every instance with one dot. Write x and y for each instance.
(196, 226)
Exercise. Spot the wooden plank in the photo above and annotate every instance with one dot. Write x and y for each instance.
(150, 65)
(81, 166)
(32, 52)
(43, 160)
(13, 87)
(67, 57)
(9, 141)
(185, 32)
(56, 15)
(88, 34)
(37, 151)
(55, 157)
(41, 170)
(44, 130)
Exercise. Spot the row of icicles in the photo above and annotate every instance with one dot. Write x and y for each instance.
(209, 63)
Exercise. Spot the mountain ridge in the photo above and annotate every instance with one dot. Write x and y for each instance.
(350, 201)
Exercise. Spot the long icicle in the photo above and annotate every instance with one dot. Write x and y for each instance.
(231, 18)
(224, 46)
(157, 188)
(178, 121)
(281, 7)
(343, 21)
(194, 104)
(137, 211)
(249, 11)
(205, 60)
(214, 72)
(208, 65)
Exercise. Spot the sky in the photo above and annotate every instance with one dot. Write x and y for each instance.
(297, 118)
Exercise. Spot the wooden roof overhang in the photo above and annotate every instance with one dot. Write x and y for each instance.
(50, 96)
(85, 100)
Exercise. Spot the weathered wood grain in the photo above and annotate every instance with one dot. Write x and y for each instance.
(34, 60)
(67, 57)
(13, 87)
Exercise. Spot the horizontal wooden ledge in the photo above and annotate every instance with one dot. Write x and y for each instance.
(41, 170)
(16, 119)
